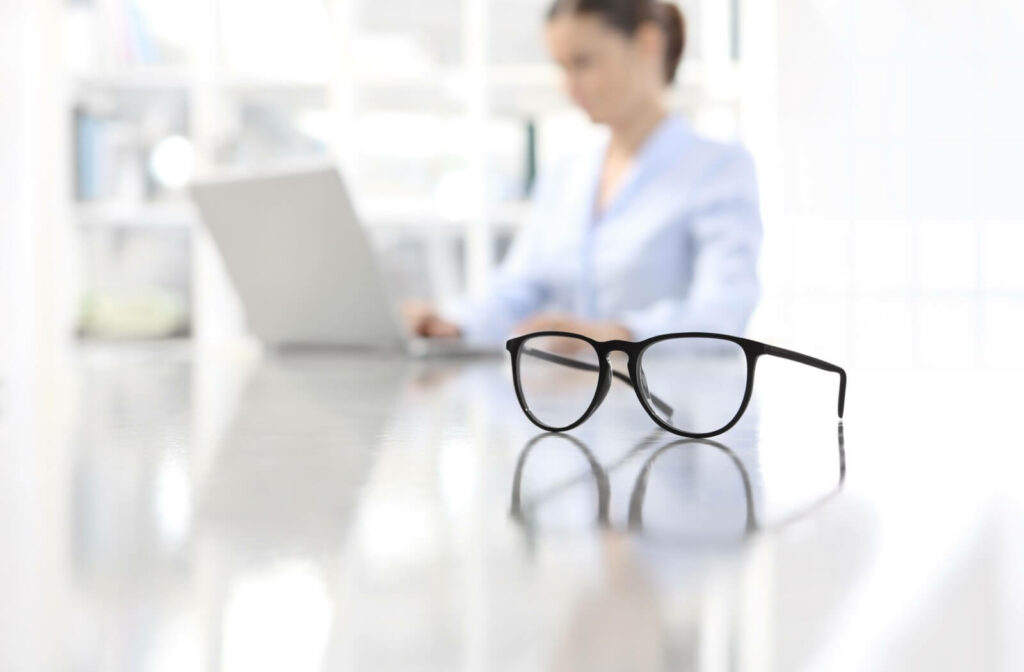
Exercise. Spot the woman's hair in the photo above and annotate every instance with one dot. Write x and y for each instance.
(626, 16)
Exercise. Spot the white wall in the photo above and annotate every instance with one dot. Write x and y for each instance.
(896, 235)
(29, 176)
(19, 633)
(16, 243)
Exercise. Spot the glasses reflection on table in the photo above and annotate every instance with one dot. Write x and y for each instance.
(721, 518)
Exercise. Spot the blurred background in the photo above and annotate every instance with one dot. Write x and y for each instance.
(887, 137)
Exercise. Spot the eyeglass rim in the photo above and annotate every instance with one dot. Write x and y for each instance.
(753, 350)
(514, 346)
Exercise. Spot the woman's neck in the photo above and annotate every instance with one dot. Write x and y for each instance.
(628, 136)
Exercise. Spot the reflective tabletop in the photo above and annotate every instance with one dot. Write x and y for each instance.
(163, 510)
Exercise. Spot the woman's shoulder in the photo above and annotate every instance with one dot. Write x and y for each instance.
(705, 165)
(693, 149)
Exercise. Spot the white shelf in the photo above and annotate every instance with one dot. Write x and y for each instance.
(243, 81)
(169, 216)
(724, 75)
(138, 78)
(163, 78)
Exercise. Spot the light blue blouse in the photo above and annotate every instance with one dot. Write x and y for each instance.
(675, 250)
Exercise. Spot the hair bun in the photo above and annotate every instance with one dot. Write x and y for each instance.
(674, 26)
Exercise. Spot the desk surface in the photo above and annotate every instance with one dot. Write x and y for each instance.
(168, 512)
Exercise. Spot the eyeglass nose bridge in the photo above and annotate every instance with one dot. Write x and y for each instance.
(608, 372)
(634, 373)
(625, 347)
(617, 346)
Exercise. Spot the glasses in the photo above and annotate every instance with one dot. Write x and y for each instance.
(695, 384)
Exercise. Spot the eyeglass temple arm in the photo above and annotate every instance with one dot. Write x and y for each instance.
(816, 363)
(583, 366)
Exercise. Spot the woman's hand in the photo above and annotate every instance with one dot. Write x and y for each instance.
(599, 331)
(422, 320)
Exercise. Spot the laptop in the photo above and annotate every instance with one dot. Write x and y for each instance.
(303, 266)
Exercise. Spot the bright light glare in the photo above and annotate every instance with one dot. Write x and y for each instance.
(277, 619)
(173, 162)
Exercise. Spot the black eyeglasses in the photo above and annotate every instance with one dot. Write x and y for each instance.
(692, 384)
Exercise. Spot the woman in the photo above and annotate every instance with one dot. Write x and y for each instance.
(655, 231)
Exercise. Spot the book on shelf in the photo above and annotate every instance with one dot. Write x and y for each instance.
(109, 162)
(110, 34)
(141, 47)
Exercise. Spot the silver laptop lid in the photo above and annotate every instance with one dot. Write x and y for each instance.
(299, 258)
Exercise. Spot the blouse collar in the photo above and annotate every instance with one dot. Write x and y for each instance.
(665, 142)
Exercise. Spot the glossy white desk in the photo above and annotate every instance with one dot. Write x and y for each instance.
(333, 512)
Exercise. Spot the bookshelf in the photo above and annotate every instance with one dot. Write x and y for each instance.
(427, 107)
